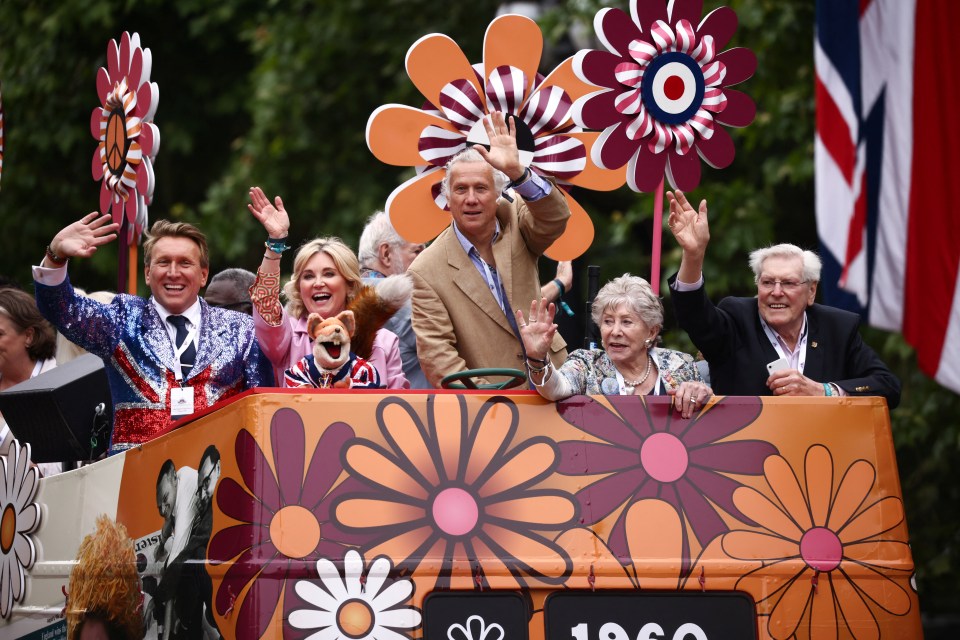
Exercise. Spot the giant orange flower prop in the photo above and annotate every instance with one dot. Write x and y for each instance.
(458, 97)
(828, 559)
(463, 492)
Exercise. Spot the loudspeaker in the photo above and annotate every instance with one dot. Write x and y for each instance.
(65, 413)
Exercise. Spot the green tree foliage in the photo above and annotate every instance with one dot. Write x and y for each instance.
(278, 93)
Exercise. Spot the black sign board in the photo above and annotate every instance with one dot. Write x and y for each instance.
(649, 615)
(475, 615)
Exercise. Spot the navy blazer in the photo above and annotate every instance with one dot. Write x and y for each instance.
(732, 340)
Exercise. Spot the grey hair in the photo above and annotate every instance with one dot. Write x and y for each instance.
(376, 232)
(634, 292)
(241, 278)
(811, 261)
(470, 154)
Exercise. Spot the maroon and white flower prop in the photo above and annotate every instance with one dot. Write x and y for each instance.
(665, 91)
(128, 139)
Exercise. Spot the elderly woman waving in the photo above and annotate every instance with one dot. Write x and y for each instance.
(630, 317)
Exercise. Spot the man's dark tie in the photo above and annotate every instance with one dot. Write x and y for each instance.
(190, 353)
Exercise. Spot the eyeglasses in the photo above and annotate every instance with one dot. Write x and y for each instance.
(768, 284)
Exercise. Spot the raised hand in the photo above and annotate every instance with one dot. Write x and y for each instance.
(688, 225)
(537, 334)
(272, 216)
(503, 154)
(81, 239)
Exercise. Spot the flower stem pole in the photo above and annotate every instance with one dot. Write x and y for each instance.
(657, 239)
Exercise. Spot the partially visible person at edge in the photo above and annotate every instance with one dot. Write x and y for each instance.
(466, 280)
(230, 289)
(822, 347)
(155, 377)
(630, 317)
(326, 277)
(27, 346)
(383, 253)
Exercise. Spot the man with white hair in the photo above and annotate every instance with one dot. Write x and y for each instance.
(779, 342)
(384, 253)
(468, 282)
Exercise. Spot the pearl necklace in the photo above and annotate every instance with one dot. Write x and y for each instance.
(629, 386)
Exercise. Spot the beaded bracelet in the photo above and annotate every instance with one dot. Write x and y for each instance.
(54, 257)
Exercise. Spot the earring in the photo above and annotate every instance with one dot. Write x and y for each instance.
(648, 342)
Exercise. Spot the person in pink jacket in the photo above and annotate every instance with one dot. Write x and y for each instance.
(326, 276)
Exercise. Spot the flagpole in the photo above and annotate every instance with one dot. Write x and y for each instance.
(657, 239)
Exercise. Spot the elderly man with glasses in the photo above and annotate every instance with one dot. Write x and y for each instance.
(780, 342)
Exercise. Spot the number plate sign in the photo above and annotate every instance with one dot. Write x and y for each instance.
(639, 615)
(475, 616)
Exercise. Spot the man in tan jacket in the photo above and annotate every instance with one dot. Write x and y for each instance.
(468, 282)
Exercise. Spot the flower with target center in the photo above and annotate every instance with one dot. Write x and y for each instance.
(665, 90)
(19, 518)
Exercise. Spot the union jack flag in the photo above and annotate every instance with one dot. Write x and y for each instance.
(888, 170)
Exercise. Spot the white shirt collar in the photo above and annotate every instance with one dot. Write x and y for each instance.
(193, 313)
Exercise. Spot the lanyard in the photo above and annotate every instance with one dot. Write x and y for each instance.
(178, 352)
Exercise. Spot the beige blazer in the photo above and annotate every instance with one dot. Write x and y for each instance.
(457, 321)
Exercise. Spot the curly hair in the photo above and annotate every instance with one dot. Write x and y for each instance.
(634, 292)
(104, 584)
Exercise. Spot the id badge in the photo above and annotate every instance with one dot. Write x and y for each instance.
(181, 402)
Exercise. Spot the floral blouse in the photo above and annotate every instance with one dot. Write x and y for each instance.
(591, 372)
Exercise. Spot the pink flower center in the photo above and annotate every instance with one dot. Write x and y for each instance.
(455, 511)
(821, 549)
(664, 457)
(673, 88)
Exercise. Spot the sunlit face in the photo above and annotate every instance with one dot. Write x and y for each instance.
(473, 200)
(782, 294)
(209, 474)
(174, 274)
(167, 495)
(13, 343)
(400, 256)
(623, 334)
(323, 288)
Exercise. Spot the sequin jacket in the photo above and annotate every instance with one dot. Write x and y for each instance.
(590, 371)
(130, 337)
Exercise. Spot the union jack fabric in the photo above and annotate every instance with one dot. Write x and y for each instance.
(887, 169)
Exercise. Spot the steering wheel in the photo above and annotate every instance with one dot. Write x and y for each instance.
(464, 379)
